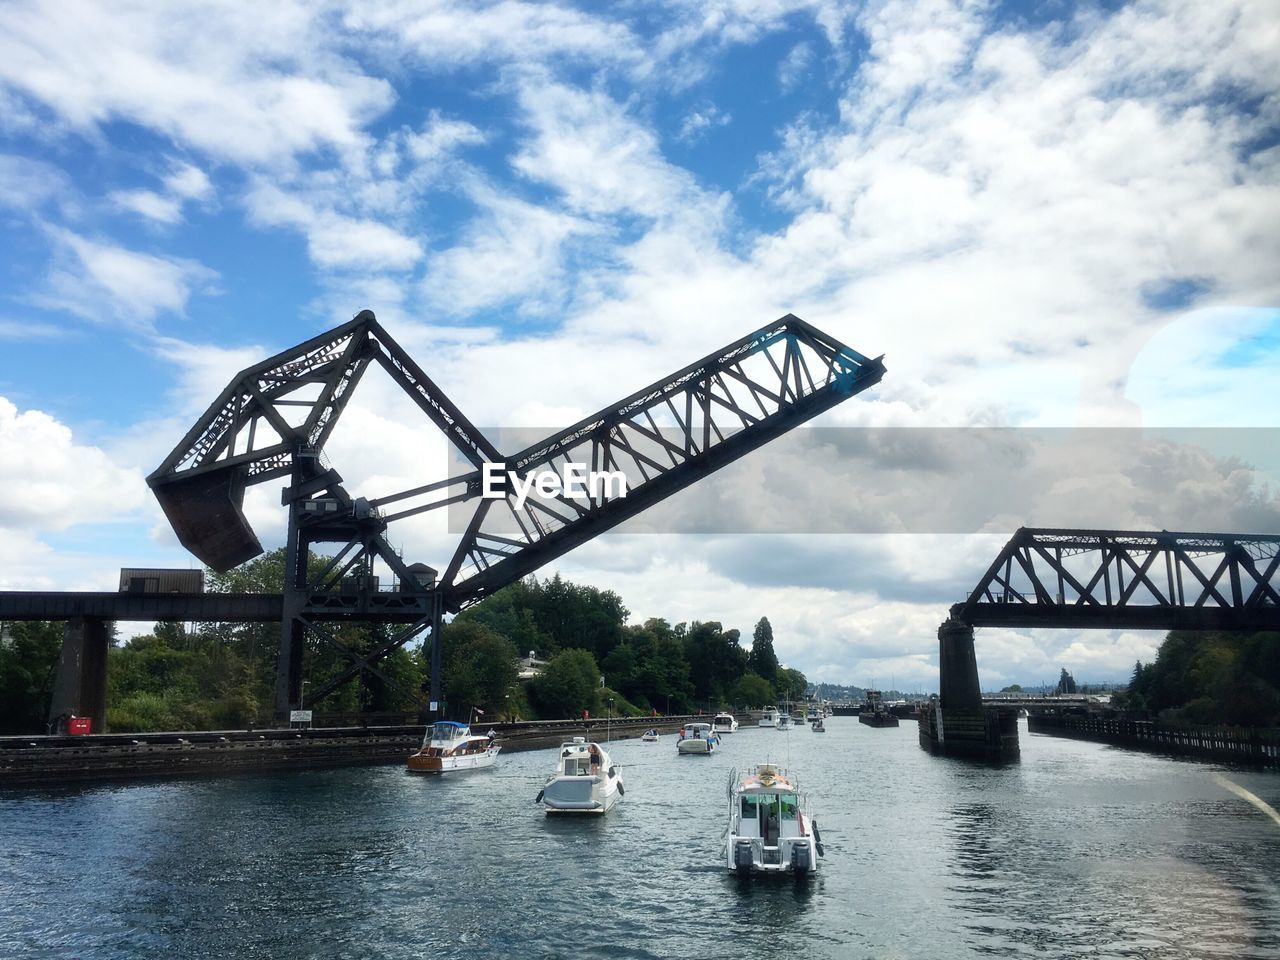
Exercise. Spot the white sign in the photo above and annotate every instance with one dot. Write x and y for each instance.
(299, 716)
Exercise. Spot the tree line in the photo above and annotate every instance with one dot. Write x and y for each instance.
(1209, 678)
(222, 675)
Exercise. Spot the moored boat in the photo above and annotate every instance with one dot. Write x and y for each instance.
(449, 745)
(698, 739)
(769, 831)
(586, 780)
(725, 723)
(769, 718)
(874, 713)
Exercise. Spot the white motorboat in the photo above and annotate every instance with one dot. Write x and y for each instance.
(449, 745)
(784, 721)
(649, 736)
(769, 718)
(586, 780)
(769, 831)
(697, 738)
(818, 726)
(725, 723)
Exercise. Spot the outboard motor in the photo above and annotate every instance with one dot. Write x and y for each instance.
(801, 861)
(743, 859)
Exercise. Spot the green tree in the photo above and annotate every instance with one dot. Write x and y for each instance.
(751, 690)
(1066, 683)
(569, 684)
(762, 660)
(716, 660)
(479, 668)
(29, 654)
(791, 684)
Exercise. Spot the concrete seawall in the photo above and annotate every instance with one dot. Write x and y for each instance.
(35, 761)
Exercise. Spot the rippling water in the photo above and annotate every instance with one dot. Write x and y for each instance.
(1079, 850)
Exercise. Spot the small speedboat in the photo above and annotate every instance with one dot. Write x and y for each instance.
(586, 780)
(769, 831)
(449, 746)
(649, 736)
(725, 723)
(784, 721)
(697, 738)
(818, 726)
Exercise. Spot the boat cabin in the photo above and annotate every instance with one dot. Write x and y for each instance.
(446, 738)
(696, 731)
(576, 758)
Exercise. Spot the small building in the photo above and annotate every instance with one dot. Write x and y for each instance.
(153, 580)
(530, 666)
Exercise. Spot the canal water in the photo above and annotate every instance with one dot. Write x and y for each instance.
(1078, 850)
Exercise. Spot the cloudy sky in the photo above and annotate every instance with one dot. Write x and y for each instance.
(1044, 214)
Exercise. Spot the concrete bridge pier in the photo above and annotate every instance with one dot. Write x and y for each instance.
(80, 687)
(958, 724)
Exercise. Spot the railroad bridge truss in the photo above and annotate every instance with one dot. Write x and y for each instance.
(271, 423)
(1104, 579)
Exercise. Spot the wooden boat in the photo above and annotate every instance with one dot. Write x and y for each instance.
(449, 746)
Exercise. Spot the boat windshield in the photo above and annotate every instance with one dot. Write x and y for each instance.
(780, 805)
(448, 731)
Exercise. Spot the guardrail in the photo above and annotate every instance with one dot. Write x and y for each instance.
(1249, 745)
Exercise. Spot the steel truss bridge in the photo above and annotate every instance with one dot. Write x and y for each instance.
(1122, 579)
(272, 421)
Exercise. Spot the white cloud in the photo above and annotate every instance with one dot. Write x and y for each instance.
(334, 240)
(256, 85)
(147, 203)
(55, 482)
(104, 282)
(26, 184)
(700, 121)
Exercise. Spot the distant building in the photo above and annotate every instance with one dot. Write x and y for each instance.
(530, 666)
(152, 580)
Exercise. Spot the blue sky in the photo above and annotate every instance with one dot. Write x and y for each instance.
(1044, 214)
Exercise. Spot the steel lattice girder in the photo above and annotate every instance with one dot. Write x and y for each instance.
(1130, 579)
(670, 434)
(276, 415)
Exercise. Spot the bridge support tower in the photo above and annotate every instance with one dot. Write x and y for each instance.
(80, 687)
(956, 723)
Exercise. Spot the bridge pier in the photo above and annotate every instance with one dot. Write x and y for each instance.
(80, 687)
(957, 724)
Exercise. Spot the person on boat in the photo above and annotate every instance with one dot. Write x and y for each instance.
(594, 753)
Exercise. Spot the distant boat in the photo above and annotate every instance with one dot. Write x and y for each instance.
(586, 780)
(725, 723)
(874, 713)
(449, 746)
(769, 832)
(697, 739)
(818, 726)
(649, 736)
(769, 718)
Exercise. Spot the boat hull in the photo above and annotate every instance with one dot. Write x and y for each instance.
(587, 796)
(878, 720)
(696, 747)
(749, 857)
(422, 763)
